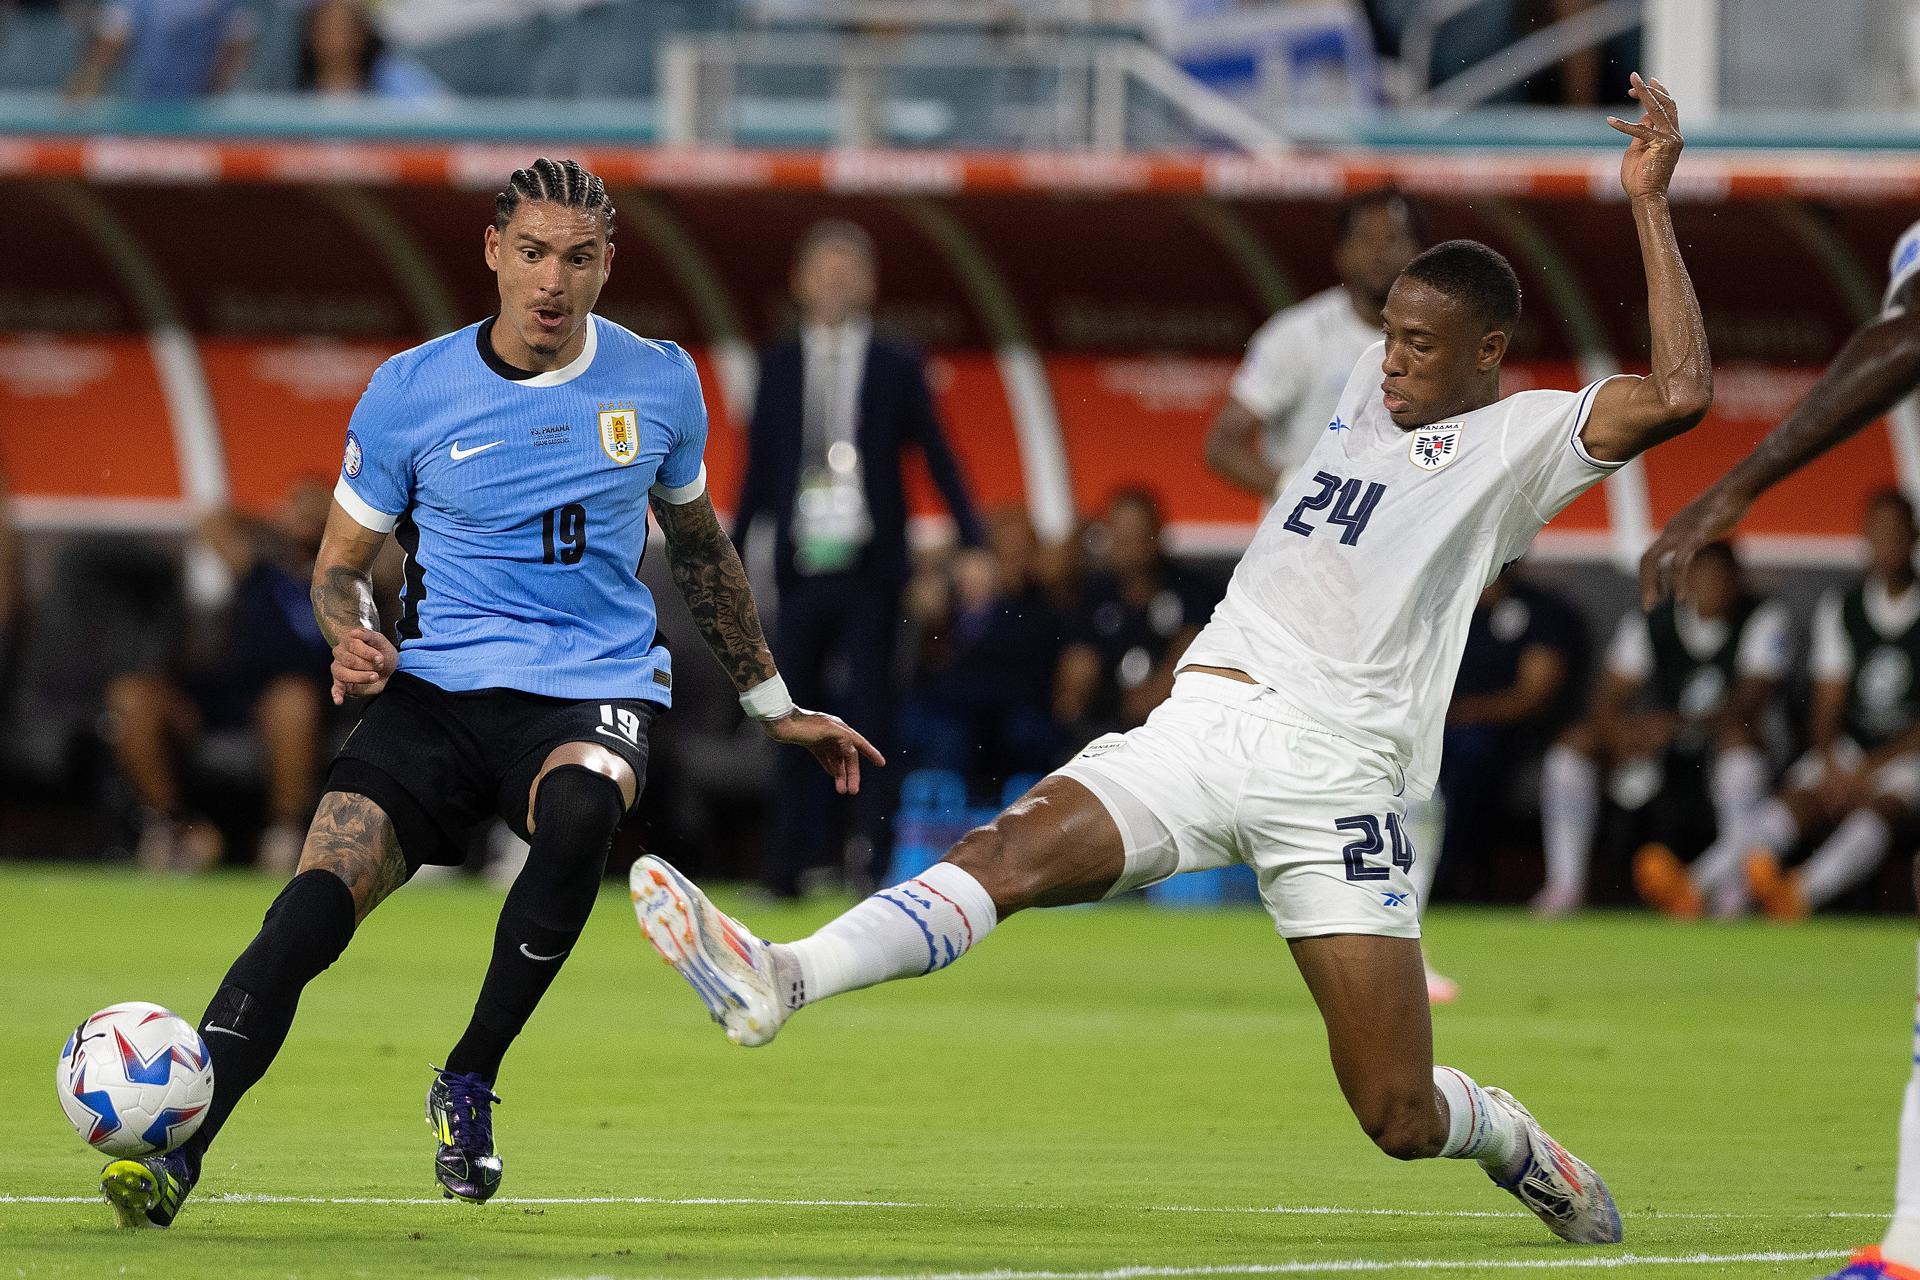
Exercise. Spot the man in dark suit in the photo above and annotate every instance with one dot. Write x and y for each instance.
(837, 407)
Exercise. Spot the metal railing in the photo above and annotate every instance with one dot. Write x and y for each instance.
(861, 91)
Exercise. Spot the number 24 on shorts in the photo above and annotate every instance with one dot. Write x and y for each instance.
(1368, 844)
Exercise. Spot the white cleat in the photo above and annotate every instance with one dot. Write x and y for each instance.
(1556, 1185)
(727, 967)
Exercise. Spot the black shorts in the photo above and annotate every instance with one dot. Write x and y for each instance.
(440, 763)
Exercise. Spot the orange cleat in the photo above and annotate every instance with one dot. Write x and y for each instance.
(1777, 891)
(1662, 880)
(1869, 1264)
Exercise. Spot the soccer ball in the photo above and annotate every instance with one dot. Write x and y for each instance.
(135, 1079)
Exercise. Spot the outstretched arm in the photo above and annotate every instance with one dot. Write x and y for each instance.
(1879, 365)
(1631, 415)
(713, 582)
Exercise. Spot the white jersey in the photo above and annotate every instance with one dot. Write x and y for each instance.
(1294, 370)
(1354, 599)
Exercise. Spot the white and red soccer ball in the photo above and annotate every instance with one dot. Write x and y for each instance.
(135, 1079)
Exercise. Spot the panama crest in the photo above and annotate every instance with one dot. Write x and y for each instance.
(620, 432)
(1434, 447)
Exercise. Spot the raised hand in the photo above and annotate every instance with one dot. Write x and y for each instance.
(1647, 167)
(833, 742)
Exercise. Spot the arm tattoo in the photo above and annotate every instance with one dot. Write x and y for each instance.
(711, 578)
(342, 600)
(352, 837)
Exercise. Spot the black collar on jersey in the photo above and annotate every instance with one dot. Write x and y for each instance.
(512, 373)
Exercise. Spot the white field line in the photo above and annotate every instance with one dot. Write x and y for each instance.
(1338, 1211)
(1599, 1262)
(247, 1198)
(1311, 1211)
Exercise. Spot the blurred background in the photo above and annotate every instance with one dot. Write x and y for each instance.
(222, 215)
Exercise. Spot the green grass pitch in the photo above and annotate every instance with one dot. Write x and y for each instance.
(1109, 1092)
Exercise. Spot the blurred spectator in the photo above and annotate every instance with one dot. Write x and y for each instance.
(266, 665)
(1298, 363)
(176, 48)
(1138, 617)
(12, 593)
(1859, 781)
(1514, 691)
(342, 54)
(837, 408)
(1465, 37)
(1684, 694)
(982, 702)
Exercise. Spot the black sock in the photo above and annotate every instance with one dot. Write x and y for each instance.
(305, 930)
(574, 816)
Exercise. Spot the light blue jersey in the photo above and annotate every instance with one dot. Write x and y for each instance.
(521, 504)
(1902, 266)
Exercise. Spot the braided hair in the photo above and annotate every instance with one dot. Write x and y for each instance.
(561, 182)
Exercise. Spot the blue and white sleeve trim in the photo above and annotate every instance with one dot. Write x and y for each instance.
(364, 513)
(1580, 424)
(683, 494)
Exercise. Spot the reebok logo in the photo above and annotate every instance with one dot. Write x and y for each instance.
(461, 455)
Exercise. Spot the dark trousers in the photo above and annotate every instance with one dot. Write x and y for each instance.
(1475, 770)
(835, 638)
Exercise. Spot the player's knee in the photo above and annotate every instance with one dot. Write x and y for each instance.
(1403, 1125)
(575, 811)
(986, 853)
(289, 705)
(1581, 738)
(134, 696)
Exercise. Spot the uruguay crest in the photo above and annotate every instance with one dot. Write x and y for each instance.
(620, 433)
(1434, 447)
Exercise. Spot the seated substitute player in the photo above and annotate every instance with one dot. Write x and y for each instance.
(1860, 777)
(1310, 708)
(1879, 366)
(515, 460)
(1686, 688)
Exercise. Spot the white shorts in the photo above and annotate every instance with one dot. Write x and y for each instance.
(1225, 772)
(1898, 777)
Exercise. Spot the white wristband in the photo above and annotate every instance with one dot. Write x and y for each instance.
(768, 700)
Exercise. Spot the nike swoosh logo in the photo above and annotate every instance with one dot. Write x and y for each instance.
(529, 955)
(223, 1031)
(461, 455)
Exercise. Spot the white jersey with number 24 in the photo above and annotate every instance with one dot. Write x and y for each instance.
(1354, 599)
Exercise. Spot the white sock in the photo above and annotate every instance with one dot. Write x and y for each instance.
(1476, 1129)
(1425, 826)
(1738, 783)
(914, 928)
(1722, 869)
(1569, 812)
(1902, 1244)
(1851, 854)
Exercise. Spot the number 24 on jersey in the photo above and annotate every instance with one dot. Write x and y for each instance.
(1352, 501)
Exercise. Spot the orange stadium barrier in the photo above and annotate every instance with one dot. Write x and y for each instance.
(188, 320)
